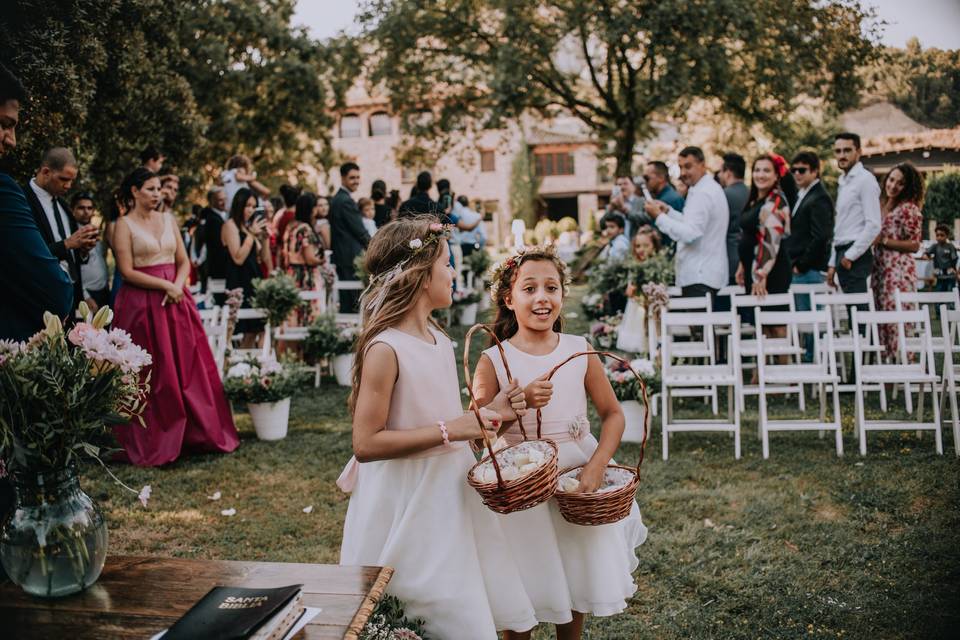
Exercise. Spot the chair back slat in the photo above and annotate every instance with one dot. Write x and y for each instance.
(699, 303)
(771, 300)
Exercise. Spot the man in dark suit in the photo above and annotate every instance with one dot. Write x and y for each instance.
(420, 202)
(211, 223)
(32, 281)
(811, 230)
(347, 233)
(67, 240)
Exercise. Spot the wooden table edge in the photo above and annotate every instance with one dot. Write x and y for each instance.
(369, 602)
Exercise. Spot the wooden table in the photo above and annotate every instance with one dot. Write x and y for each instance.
(136, 597)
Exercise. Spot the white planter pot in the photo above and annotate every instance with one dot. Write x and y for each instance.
(270, 419)
(485, 301)
(343, 369)
(634, 414)
(468, 315)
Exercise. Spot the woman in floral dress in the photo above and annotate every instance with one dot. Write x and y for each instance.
(303, 251)
(893, 265)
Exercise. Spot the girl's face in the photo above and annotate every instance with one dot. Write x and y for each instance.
(536, 297)
(148, 196)
(764, 175)
(439, 287)
(642, 246)
(316, 211)
(894, 184)
(368, 212)
(268, 209)
(323, 208)
(249, 208)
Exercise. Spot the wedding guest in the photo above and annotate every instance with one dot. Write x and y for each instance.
(117, 209)
(303, 250)
(657, 177)
(94, 272)
(894, 268)
(247, 242)
(410, 438)
(285, 216)
(858, 218)
(152, 159)
(735, 190)
(646, 244)
(476, 238)
(33, 280)
(765, 223)
(618, 247)
(239, 174)
(214, 215)
(944, 256)
(322, 223)
(67, 240)
(420, 202)
(187, 410)
(378, 193)
(368, 212)
(169, 190)
(700, 231)
(347, 234)
(629, 204)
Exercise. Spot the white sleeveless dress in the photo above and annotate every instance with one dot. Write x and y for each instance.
(567, 567)
(453, 567)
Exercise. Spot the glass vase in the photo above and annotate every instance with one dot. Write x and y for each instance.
(54, 541)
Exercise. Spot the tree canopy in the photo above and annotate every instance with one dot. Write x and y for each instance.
(201, 80)
(614, 64)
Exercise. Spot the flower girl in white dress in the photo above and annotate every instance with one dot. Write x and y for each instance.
(411, 507)
(568, 570)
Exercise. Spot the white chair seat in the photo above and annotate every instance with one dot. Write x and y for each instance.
(771, 347)
(292, 334)
(700, 375)
(895, 373)
(689, 349)
(793, 373)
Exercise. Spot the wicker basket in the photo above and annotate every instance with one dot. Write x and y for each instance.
(591, 509)
(508, 496)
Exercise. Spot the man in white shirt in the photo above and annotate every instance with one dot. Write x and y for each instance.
(94, 273)
(470, 240)
(700, 231)
(858, 218)
(67, 241)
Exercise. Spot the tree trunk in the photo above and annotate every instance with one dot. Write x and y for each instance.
(625, 140)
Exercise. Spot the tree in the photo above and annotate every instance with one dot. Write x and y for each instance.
(943, 198)
(524, 186)
(200, 80)
(611, 63)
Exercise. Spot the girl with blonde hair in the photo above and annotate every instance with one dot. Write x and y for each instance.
(411, 508)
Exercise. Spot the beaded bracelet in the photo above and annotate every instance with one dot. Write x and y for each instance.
(443, 432)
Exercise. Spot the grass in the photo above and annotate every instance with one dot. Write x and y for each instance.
(803, 544)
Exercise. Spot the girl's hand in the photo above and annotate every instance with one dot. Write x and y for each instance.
(591, 477)
(631, 290)
(538, 392)
(510, 403)
(759, 288)
(739, 275)
(466, 428)
(259, 227)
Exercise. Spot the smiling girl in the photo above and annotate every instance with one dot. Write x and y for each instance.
(568, 570)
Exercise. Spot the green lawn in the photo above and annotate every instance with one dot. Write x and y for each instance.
(803, 544)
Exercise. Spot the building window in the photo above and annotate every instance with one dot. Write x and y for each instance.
(350, 126)
(487, 161)
(554, 164)
(489, 209)
(380, 124)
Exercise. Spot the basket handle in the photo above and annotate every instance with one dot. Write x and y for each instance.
(503, 358)
(643, 393)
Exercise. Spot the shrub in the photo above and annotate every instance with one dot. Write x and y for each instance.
(278, 295)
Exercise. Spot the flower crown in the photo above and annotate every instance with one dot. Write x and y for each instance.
(435, 232)
(501, 273)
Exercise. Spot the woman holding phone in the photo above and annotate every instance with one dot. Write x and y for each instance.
(246, 237)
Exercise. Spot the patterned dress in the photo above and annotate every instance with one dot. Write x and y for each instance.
(297, 238)
(895, 270)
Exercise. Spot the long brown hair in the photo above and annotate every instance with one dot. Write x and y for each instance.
(505, 325)
(913, 186)
(388, 248)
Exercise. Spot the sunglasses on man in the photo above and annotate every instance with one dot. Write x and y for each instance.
(799, 170)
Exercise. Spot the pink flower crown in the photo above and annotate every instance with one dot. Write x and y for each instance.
(382, 281)
(502, 273)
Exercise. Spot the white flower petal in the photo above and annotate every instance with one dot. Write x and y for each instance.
(215, 496)
(228, 512)
(308, 509)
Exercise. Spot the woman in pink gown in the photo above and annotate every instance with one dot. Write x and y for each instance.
(187, 410)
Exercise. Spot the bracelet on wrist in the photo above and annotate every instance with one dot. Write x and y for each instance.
(443, 432)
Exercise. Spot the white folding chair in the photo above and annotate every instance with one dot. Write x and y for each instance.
(931, 300)
(237, 354)
(299, 334)
(677, 378)
(215, 327)
(702, 348)
(920, 373)
(786, 346)
(821, 372)
(950, 330)
(215, 285)
(838, 303)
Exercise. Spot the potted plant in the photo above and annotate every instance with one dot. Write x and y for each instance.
(603, 332)
(278, 295)
(326, 338)
(465, 303)
(266, 386)
(59, 395)
(627, 390)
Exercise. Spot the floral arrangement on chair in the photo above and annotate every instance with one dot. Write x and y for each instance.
(327, 338)
(603, 333)
(278, 295)
(262, 379)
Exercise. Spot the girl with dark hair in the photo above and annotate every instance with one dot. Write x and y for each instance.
(900, 229)
(187, 409)
(246, 238)
(378, 193)
(303, 249)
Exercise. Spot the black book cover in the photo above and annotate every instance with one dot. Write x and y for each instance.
(230, 613)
